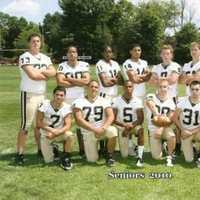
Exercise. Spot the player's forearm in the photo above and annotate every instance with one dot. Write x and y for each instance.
(64, 83)
(49, 72)
(152, 107)
(108, 121)
(119, 123)
(108, 83)
(80, 82)
(84, 124)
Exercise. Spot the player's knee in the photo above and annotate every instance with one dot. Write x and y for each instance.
(68, 135)
(139, 131)
(111, 132)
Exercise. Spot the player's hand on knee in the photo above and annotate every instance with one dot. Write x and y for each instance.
(50, 135)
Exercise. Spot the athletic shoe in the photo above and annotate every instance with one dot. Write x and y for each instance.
(66, 164)
(19, 159)
(169, 161)
(140, 162)
(110, 162)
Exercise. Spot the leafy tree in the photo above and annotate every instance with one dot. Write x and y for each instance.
(188, 33)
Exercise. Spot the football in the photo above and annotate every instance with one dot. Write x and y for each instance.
(161, 121)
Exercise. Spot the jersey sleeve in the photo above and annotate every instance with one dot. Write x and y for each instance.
(24, 59)
(49, 62)
(77, 104)
(67, 110)
(61, 69)
(43, 107)
(155, 69)
(100, 68)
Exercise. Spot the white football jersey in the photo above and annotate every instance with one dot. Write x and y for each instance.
(126, 110)
(93, 112)
(39, 61)
(190, 113)
(163, 107)
(164, 72)
(111, 70)
(139, 67)
(75, 72)
(190, 68)
(54, 118)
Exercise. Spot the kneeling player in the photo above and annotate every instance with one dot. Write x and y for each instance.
(54, 120)
(94, 115)
(161, 107)
(129, 116)
(187, 118)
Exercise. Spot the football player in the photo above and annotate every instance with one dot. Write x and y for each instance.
(187, 118)
(94, 115)
(170, 70)
(54, 120)
(129, 116)
(74, 75)
(107, 71)
(161, 104)
(35, 69)
(191, 70)
(136, 70)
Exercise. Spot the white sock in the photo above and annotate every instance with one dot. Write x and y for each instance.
(140, 151)
(130, 143)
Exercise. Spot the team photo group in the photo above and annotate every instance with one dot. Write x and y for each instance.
(110, 113)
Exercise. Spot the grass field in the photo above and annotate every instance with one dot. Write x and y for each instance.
(35, 181)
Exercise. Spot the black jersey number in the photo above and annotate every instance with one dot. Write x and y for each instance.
(55, 119)
(163, 74)
(98, 112)
(163, 111)
(188, 114)
(76, 75)
(128, 115)
(113, 73)
(140, 72)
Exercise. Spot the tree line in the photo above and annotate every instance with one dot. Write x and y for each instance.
(92, 24)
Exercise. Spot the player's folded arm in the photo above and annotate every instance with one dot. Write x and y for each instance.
(78, 115)
(173, 78)
(50, 71)
(33, 73)
(82, 81)
(105, 80)
(109, 117)
(140, 117)
(62, 80)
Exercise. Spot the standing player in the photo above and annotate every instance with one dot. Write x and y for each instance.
(35, 69)
(107, 71)
(187, 118)
(171, 71)
(160, 104)
(136, 70)
(94, 115)
(191, 70)
(74, 75)
(129, 116)
(54, 120)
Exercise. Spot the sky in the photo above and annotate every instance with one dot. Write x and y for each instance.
(35, 10)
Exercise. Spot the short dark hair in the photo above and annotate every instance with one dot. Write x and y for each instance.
(72, 46)
(105, 47)
(59, 88)
(194, 82)
(134, 45)
(33, 35)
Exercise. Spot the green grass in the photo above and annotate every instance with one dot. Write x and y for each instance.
(35, 180)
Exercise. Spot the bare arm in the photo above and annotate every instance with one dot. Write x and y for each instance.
(49, 72)
(117, 122)
(109, 117)
(154, 79)
(33, 73)
(81, 121)
(173, 78)
(62, 80)
(80, 81)
(106, 81)
(140, 118)
(152, 106)
(176, 118)
(134, 77)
